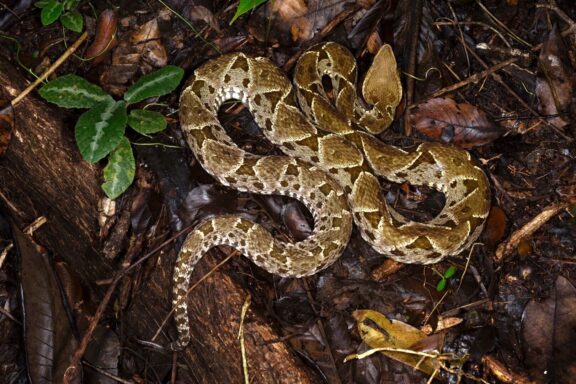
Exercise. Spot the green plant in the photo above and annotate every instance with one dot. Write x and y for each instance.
(64, 10)
(447, 275)
(245, 6)
(100, 130)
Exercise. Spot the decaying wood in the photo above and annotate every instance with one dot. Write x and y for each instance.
(43, 174)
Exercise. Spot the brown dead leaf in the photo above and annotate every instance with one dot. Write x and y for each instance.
(201, 13)
(138, 53)
(555, 82)
(105, 38)
(48, 334)
(295, 20)
(461, 124)
(292, 13)
(496, 226)
(549, 333)
(524, 248)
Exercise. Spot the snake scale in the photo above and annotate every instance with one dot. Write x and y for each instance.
(331, 164)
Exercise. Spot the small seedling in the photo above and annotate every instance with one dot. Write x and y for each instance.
(64, 10)
(100, 130)
(447, 275)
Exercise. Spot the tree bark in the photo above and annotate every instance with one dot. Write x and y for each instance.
(42, 174)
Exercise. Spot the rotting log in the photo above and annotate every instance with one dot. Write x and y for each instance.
(42, 174)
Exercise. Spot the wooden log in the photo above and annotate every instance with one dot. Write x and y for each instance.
(42, 174)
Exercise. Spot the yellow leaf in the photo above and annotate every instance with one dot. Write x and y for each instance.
(377, 331)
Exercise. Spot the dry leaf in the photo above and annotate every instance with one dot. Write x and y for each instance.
(293, 13)
(393, 334)
(461, 124)
(105, 37)
(549, 332)
(200, 12)
(139, 52)
(555, 82)
(496, 226)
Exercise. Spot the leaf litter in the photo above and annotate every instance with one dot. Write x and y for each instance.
(501, 311)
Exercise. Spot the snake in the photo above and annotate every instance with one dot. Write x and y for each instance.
(331, 162)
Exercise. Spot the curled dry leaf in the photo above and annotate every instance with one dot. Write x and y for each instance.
(147, 40)
(293, 13)
(105, 37)
(549, 336)
(298, 18)
(139, 52)
(201, 13)
(496, 226)
(377, 331)
(48, 336)
(555, 82)
(461, 124)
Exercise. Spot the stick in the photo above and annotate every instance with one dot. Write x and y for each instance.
(506, 248)
(50, 70)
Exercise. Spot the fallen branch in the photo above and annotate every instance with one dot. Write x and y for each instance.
(508, 246)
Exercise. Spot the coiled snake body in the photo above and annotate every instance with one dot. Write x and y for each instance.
(331, 165)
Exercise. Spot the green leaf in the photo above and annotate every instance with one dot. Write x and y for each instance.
(71, 91)
(100, 129)
(73, 21)
(119, 173)
(51, 12)
(245, 6)
(146, 122)
(441, 285)
(157, 83)
(449, 272)
(43, 3)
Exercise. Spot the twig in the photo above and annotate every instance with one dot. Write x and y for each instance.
(71, 373)
(503, 373)
(516, 96)
(456, 23)
(472, 79)
(502, 25)
(411, 65)
(552, 5)
(508, 246)
(107, 374)
(4, 253)
(189, 24)
(245, 307)
(174, 374)
(35, 225)
(477, 76)
(9, 315)
(50, 70)
(72, 370)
